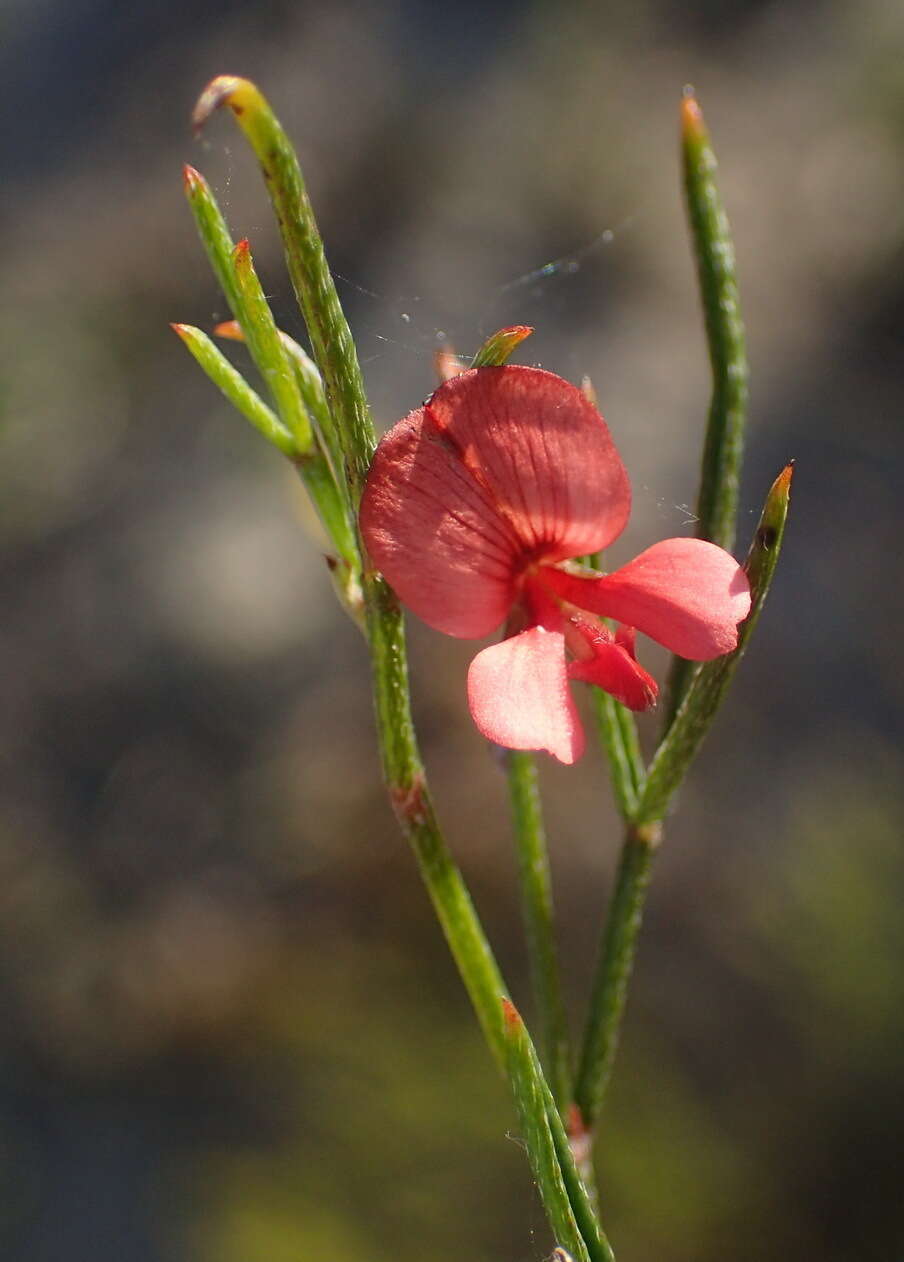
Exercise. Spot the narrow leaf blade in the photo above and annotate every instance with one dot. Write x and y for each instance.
(541, 1150)
(236, 388)
(498, 348)
(723, 448)
(267, 348)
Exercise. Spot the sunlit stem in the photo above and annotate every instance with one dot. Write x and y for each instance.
(564, 1196)
(723, 448)
(616, 960)
(537, 913)
(406, 780)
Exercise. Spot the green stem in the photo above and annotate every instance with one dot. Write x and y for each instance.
(723, 449)
(537, 911)
(613, 971)
(618, 736)
(565, 1198)
(404, 774)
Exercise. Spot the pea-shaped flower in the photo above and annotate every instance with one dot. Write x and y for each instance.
(474, 506)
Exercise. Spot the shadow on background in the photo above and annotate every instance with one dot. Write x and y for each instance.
(231, 1031)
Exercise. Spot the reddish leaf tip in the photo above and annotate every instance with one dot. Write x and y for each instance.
(241, 252)
(184, 330)
(229, 329)
(692, 124)
(510, 1014)
(191, 178)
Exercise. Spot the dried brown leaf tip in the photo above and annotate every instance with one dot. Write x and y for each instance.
(225, 89)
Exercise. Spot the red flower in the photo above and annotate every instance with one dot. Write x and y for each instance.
(473, 506)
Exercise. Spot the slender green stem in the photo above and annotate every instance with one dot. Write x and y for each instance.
(404, 774)
(565, 1198)
(613, 970)
(618, 736)
(527, 1086)
(723, 449)
(537, 912)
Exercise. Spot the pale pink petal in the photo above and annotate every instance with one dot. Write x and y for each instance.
(519, 697)
(434, 532)
(542, 452)
(686, 593)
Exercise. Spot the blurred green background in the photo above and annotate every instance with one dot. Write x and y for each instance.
(231, 1031)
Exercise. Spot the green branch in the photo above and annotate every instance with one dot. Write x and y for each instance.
(723, 448)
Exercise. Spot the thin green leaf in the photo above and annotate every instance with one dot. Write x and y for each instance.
(530, 1101)
(310, 385)
(331, 339)
(578, 1193)
(500, 345)
(723, 449)
(267, 349)
(236, 388)
(701, 704)
(717, 502)
(345, 570)
(214, 233)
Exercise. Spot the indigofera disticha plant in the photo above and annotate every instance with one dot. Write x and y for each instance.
(487, 507)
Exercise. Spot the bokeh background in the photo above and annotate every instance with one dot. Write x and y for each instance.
(230, 1029)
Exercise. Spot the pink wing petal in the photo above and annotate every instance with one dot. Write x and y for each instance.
(543, 453)
(519, 697)
(435, 532)
(686, 593)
